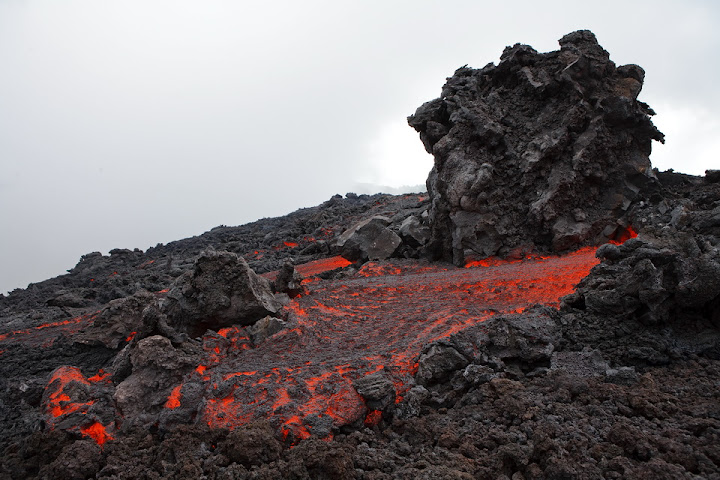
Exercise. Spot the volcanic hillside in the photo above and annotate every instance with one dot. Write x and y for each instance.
(550, 308)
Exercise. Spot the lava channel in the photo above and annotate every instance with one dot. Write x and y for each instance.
(301, 379)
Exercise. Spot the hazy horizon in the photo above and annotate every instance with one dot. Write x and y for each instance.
(128, 124)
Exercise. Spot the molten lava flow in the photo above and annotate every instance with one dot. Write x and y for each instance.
(97, 432)
(302, 377)
(69, 326)
(101, 376)
(317, 267)
(173, 400)
(64, 392)
(623, 234)
(59, 403)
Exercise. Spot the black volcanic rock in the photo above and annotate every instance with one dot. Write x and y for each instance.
(370, 239)
(221, 291)
(621, 382)
(543, 151)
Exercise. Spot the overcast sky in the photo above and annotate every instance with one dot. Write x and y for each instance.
(128, 123)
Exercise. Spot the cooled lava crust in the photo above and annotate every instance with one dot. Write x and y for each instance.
(366, 360)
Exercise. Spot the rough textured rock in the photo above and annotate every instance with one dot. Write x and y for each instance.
(157, 368)
(377, 390)
(414, 232)
(542, 151)
(78, 460)
(265, 328)
(370, 239)
(221, 291)
(289, 281)
(119, 320)
(660, 297)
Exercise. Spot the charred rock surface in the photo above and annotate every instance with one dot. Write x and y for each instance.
(542, 151)
(222, 291)
(395, 368)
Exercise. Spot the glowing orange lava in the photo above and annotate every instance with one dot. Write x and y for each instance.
(59, 403)
(97, 432)
(173, 400)
(100, 376)
(72, 325)
(623, 235)
(317, 267)
(302, 377)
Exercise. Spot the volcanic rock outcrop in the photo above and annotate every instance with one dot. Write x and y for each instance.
(181, 362)
(222, 291)
(543, 151)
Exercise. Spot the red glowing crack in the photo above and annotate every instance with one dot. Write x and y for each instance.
(60, 404)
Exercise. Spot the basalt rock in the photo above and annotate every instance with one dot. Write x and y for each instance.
(158, 368)
(377, 390)
(289, 281)
(120, 320)
(543, 150)
(369, 239)
(221, 291)
(659, 296)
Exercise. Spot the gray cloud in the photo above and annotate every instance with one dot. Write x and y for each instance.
(125, 124)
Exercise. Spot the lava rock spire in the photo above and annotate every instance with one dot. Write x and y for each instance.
(544, 151)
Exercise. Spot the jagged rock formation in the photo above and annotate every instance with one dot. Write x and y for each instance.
(221, 291)
(543, 151)
(399, 368)
(370, 239)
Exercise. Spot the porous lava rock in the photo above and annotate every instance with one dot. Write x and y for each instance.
(121, 319)
(370, 239)
(221, 291)
(289, 281)
(542, 151)
(376, 389)
(157, 367)
(414, 232)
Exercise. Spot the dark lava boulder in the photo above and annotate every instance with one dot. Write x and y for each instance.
(544, 150)
(155, 383)
(660, 298)
(369, 239)
(118, 322)
(221, 291)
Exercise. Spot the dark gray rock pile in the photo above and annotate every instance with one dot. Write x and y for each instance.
(542, 151)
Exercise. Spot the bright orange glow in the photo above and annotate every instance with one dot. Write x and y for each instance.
(72, 325)
(290, 244)
(373, 418)
(623, 235)
(100, 376)
(131, 336)
(97, 432)
(317, 267)
(379, 320)
(339, 331)
(173, 400)
(59, 403)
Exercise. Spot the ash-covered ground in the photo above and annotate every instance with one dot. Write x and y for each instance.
(336, 342)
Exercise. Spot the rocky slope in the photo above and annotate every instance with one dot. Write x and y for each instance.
(331, 343)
